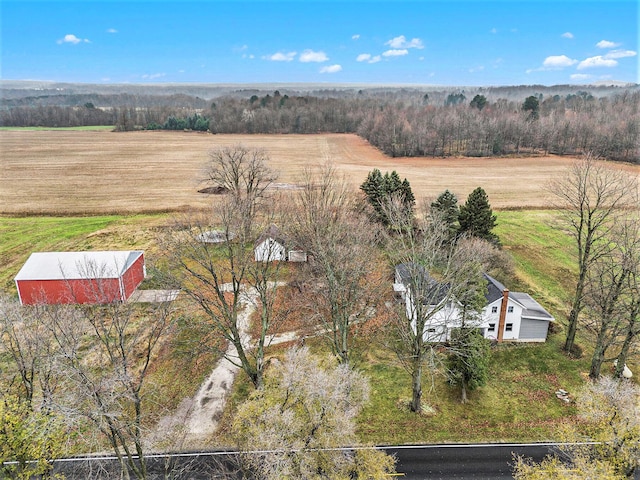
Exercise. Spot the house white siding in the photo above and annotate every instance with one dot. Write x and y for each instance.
(270, 250)
(525, 320)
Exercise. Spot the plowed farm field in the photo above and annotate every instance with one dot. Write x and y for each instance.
(99, 172)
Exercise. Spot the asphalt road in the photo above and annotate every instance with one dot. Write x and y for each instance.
(437, 462)
(462, 461)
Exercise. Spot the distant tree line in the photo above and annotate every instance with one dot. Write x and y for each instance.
(399, 124)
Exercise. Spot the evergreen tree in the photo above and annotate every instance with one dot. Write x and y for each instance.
(479, 102)
(407, 194)
(379, 189)
(476, 217)
(468, 361)
(446, 205)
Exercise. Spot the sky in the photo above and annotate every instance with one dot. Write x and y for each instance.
(391, 42)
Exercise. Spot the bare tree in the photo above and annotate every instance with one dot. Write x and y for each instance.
(592, 198)
(244, 173)
(224, 279)
(296, 425)
(632, 312)
(432, 273)
(610, 295)
(604, 444)
(340, 241)
(26, 339)
(104, 353)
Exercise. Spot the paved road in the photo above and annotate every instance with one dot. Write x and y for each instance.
(417, 462)
(462, 461)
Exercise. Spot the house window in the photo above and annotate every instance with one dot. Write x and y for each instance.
(494, 309)
(510, 309)
(492, 327)
(508, 327)
(431, 330)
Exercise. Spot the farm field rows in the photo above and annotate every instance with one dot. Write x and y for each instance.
(101, 172)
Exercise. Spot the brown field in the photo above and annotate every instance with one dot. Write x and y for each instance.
(94, 172)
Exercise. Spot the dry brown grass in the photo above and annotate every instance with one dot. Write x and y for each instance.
(94, 172)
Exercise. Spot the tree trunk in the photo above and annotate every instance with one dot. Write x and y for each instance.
(416, 399)
(573, 316)
(632, 333)
(597, 359)
(463, 398)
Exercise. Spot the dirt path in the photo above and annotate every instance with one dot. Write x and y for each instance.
(197, 418)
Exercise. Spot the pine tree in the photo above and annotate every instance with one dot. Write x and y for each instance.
(407, 194)
(446, 206)
(379, 189)
(468, 361)
(476, 217)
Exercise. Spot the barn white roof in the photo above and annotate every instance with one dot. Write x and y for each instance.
(77, 265)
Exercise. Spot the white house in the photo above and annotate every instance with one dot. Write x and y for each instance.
(273, 246)
(508, 316)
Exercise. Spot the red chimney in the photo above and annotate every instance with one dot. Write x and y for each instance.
(503, 313)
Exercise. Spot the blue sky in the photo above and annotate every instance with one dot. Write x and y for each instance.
(471, 42)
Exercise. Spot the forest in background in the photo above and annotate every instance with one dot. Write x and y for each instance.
(400, 121)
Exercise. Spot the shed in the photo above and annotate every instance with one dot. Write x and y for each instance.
(90, 277)
(272, 245)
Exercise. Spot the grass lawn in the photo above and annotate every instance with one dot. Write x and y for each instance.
(19, 237)
(517, 403)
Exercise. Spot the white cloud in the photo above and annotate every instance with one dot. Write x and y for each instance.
(620, 54)
(476, 69)
(580, 76)
(281, 57)
(112, 30)
(607, 44)
(153, 76)
(567, 35)
(355, 37)
(367, 57)
(558, 61)
(597, 61)
(402, 43)
(395, 53)
(311, 56)
(494, 30)
(71, 38)
(331, 69)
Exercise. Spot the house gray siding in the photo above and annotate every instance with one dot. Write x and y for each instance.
(533, 330)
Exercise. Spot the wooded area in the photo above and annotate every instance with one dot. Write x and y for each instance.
(399, 122)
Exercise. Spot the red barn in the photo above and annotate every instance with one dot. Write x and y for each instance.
(80, 277)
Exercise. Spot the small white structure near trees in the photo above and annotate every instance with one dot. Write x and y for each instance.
(507, 316)
(272, 245)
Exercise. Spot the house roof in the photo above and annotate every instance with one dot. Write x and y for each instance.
(77, 265)
(417, 277)
(532, 309)
(272, 232)
(494, 288)
(215, 236)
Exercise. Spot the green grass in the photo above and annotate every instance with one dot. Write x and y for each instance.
(19, 237)
(516, 404)
(86, 128)
(543, 254)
